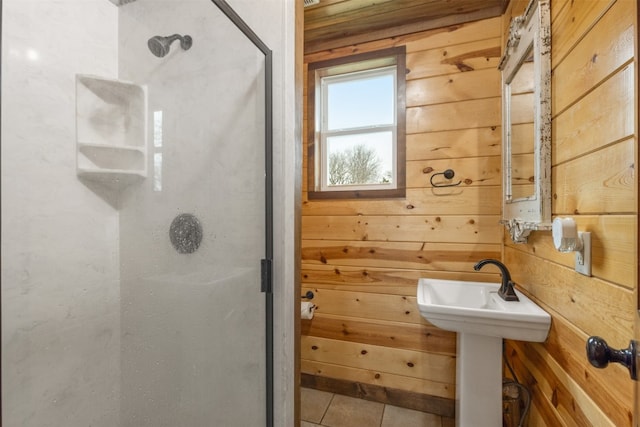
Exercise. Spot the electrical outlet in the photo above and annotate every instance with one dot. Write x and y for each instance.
(583, 257)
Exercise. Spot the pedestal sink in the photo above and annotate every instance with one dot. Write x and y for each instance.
(482, 319)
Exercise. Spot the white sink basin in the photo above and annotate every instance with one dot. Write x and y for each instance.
(482, 319)
(475, 308)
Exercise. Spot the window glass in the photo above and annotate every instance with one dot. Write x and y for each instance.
(360, 100)
(356, 130)
(360, 159)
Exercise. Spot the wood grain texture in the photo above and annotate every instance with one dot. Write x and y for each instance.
(485, 200)
(592, 305)
(571, 22)
(363, 258)
(613, 253)
(409, 363)
(414, 228)
(477, 55)
(454, 35)
(368, 305)
(603, 116)
(473, 171)
(475, 113)
(611, 390)
(389, 396)
(411, 255)
(476, 84)
(610, 189)
(380, 280)
(605, 48)
(454, 144)
(384, 379)
(408, 336)
(332, 24)
(569, 404)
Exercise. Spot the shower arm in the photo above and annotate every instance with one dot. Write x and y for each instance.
(185, 41)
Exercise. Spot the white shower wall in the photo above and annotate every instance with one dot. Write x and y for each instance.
(60, 267)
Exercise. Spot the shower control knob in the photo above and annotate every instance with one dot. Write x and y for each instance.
(600, 354)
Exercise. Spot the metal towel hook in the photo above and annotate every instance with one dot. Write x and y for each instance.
(449, 173)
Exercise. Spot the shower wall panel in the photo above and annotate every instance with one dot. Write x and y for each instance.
(60, 270)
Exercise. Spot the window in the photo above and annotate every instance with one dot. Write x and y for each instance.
(356, 114)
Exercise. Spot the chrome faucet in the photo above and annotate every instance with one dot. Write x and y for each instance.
(506, 291)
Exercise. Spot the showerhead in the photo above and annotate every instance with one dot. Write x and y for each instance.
(160, 45)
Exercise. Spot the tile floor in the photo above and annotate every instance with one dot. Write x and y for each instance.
(320, 408)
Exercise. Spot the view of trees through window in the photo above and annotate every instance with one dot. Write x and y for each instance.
(356, 126)
(357, 165)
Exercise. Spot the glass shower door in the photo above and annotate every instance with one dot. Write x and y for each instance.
(192, 236)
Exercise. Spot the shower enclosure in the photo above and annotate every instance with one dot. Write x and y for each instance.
(136, 214)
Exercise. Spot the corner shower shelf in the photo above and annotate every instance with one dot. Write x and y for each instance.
(111, 131)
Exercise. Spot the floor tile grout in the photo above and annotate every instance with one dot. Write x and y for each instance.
(381, 422)
(327, 408)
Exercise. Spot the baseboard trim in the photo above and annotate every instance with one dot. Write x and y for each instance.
(405, 399)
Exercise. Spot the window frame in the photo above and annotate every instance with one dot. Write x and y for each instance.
(345, 65)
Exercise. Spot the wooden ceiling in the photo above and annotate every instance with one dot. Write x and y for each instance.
(336, 23)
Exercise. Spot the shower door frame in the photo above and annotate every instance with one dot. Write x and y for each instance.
(266, 264)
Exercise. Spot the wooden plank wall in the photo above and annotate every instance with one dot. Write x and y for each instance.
(362, 258)
(594, 181)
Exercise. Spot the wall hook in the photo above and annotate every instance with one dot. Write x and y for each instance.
(449, 173)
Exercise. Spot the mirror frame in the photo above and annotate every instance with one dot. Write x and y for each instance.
(523, 215)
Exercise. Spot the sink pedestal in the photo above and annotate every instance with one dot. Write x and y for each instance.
(478, 381)
(482, 320)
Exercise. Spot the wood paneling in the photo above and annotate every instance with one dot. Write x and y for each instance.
(335, 23)
(425, 256)
(385, 379)
(454, 144)
(594, 147)
(590, 304)
(387, 334)
(485, 200)
(363, 258)
(451, 88)
(602, 117)
(566, 343)
(469, 56)
(601, 190)
(472, 171)
(390, 396)
(419, 364)
(607, 46)
(612, 250)
(571, 22)
(380, 280)
(474, 113)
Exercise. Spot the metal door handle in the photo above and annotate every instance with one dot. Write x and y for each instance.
(600, 354)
